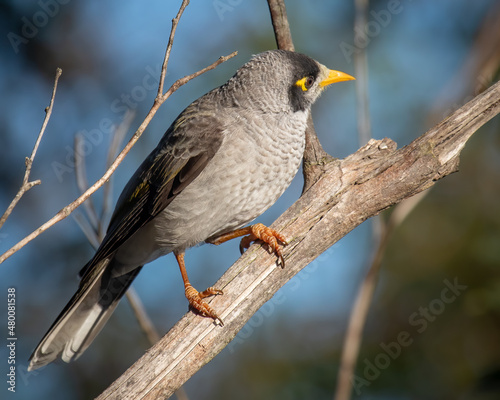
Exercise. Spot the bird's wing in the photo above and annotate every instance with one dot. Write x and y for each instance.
(182, 154)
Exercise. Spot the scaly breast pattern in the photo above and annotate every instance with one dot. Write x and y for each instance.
(255, 164)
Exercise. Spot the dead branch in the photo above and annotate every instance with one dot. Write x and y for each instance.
(380, 230)
(281, 27)
(170, 43)
(27, 185)
(92, 224)
(347, 193)
(314, 154)
(159, 100)
(357, 319)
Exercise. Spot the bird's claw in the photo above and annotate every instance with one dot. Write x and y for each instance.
(268, 236)
(196, 302)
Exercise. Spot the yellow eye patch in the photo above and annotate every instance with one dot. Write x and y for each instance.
(301, 83)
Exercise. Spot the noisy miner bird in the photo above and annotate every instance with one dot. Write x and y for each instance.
(223, 162)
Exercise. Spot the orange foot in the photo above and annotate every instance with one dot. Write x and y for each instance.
(266, 235)
(194, 297)
(195, 300)
(255, 232)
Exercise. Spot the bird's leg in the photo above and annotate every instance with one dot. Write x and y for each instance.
(194, 297)
(253, 233)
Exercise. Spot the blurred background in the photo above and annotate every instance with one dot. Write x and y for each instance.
(425, 59)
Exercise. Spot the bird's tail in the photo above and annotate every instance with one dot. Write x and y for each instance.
(84, 316)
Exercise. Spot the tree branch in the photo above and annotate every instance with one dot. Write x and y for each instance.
(357, 319)
(66, 211)
(347, 193)
(281, 27)
(381, 231)
(175, 22)
(93, 225)
(315, 157)
(27, 185)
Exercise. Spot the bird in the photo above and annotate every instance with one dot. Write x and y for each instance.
(223, 161)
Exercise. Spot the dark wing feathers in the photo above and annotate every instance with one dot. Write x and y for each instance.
(177, 160)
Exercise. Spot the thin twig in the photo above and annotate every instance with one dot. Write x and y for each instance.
(159, 100)
(142, 317)
(182, 81)
(66, 211)
(118, 136)
(361, 71)
(83, 184)
(27, 185)
(88, 230)
(175, 22)
(93, 231)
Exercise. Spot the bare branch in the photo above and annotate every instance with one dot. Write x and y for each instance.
(27, 185)
(280, 24)
(380, 231)
(315, 157)
(357, 319)
(148, 328)
(92, 230)
(88, 230)
(66, 211)
(118, 137)
(142, 317)
(178, 83)
(361, 72)
(83, 184)
(175, 22)
(477, 70)
(349, 192)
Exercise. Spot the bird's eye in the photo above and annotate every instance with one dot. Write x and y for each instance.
(305, 83)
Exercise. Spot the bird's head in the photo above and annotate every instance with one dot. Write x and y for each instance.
(278, 80)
